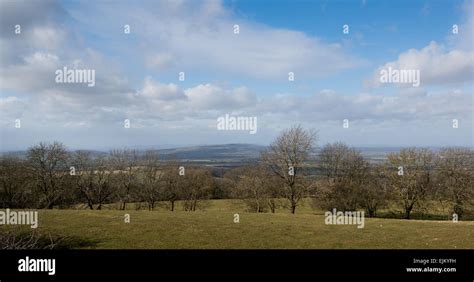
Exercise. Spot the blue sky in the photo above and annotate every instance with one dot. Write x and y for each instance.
(387, 27)
(246, 74)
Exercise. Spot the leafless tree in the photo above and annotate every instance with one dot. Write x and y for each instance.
(374, 192)
(152, 179)
(333, 161)
(286, 157)
(15, 183)
(93, 179)
(347, 174)
(410, 175)
(197, 186)
(48, 162)
(255, 188)
(124, 163)
(455, 177)
(173, 183)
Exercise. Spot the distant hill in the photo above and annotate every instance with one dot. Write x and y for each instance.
(214, 152)
(226, 152)
(230, 153)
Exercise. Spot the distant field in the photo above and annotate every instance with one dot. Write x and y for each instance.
(214, 228)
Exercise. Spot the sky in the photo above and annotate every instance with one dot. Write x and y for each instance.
(336, 70)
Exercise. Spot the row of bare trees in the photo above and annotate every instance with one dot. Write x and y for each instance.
(51, 176)
(288, 172)
(348, 182)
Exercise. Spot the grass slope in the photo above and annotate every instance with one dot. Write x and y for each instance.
(214, 228)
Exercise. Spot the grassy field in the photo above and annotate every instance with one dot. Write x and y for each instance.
(214, 228)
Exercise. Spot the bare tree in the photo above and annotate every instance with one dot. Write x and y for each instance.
(173, 183)
(197, 186)
(124, 163)
(347, 174)
(273, 189)
(286, 157)
(374, 192)
(410, 172)
(455, 177)
(93, 179)
(254, 188)
(49, 170)
(84, 175)
(152, 179)
(14, 183)
(333, 159)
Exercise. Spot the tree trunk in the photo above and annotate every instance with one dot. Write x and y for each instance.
(49, 205)
(408, 212)
(271, 204)
(293, 208)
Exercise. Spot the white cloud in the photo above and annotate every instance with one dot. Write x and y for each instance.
(47, 37)
(11, 108)
(436, 65)
(34, 74)
(208, 96)
(188, 35)
(405, 105)
(166, 92)
(153, 110)
(450, 63)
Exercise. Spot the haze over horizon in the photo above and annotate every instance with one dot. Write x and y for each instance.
(381, 148)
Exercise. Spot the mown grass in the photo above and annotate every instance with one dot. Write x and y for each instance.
(214, 228)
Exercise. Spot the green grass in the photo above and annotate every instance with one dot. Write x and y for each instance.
(214, 228)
